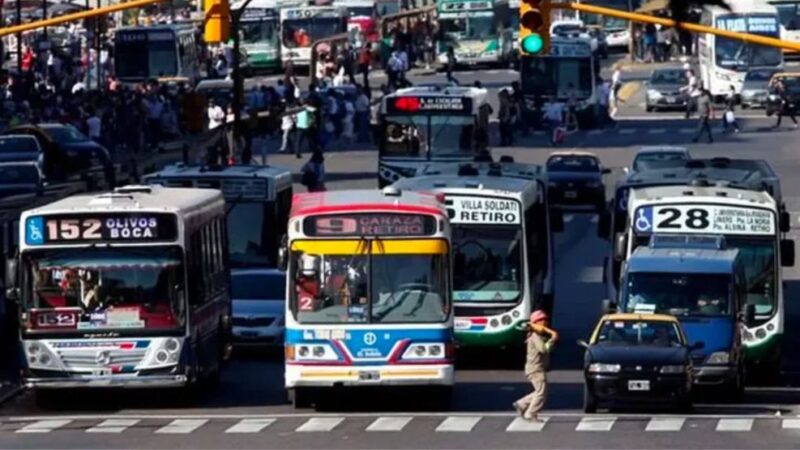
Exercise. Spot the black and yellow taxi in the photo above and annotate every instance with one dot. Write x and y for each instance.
(638, 358)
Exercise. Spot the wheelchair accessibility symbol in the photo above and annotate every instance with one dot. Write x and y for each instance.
(34, 231)
(644, 219)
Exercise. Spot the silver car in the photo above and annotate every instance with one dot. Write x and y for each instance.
(259, 301)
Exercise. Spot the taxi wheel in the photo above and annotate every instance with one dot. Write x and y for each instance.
(589, 401)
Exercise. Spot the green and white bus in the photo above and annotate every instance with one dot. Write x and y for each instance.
(260, 35)
(478, 30)
(502, 248)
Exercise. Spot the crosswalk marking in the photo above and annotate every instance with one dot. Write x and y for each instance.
(657, 130)
(113, 426)
(686, 131)
(791, 424)
(182, 426)
(389, 424)
(44, 426)
(627, 131)
(318, 424)
(596, 424)
(665, 424)
(521, 425)
(734, 424)
(250, 426)
(458, 423)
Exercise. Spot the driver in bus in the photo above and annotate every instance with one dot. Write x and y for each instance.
(90, 300)
(308, 283)
(301, 38)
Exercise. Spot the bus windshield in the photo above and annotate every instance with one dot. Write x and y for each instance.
(739, 55)
(145, 59)
(472, 27)
(434, 136)
(299, 33)
(759, 268)
(487, 263)
(261, 32)
(678, 294)
(99, 289)
(789, 16)
(248, 239)
(370, 288)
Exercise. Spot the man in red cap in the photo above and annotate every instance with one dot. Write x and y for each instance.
(540, 341)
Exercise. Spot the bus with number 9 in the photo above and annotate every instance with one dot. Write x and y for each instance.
(368, 293)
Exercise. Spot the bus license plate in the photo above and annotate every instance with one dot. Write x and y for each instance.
(369, 375)
(101, 372)
(639, 385)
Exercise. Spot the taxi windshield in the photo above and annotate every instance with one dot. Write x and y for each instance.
(428, 136)
(367, 281)
(678, 294)
(639, 332)
(487, 263)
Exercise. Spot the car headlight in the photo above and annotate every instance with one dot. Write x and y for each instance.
(604, 368)
(719, 358)
(673, 369)
(424, 351)
(652, 93)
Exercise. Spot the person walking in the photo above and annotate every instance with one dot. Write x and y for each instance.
(364, 63)
(692, 91)
(506, 118)
(613, 96)
(304, 124)
(539, 343)
(729, 117)
(705, 113)
(785, 108)
(451, 64)
(313, 172)
(287, 128)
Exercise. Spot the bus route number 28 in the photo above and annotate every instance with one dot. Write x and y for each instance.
(675, 219)
(72, 229)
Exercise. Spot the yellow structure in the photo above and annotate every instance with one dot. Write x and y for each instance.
(534, 27)
(217, 21)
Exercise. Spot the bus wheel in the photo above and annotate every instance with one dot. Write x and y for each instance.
(299, 397)
(46, 399)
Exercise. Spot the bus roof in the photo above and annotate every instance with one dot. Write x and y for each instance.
(694, 194)
(366, 200)
(493, 169)
(489, 185)
(742, 7)
(134, 198)
(671, 260)
(201, 176)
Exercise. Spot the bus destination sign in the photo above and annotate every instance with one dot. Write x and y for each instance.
(429, 105)
(93, 228)
(483, 210)
(370, 224)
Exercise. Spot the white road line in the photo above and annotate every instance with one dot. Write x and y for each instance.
(250, 426)
(181, 426)
(735, 424)
(319, 424)
(657, 131)
(113, 426)
(596, 424)
(665, 424)
(458, 424)
(522, 425)
(686, 131)
(791, 424)
(44, 426)
(595, 132)
(627, 131)
(389, 424)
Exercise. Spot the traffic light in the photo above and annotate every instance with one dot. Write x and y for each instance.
(534, 27)
(218, 21)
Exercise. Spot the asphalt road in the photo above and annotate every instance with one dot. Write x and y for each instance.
(248, 409)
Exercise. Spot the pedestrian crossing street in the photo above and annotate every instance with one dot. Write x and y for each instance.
(396, 423)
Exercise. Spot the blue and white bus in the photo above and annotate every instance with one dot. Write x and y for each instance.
(368, 293)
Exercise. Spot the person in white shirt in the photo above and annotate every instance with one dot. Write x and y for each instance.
(691, 91)
(287, 126)
(216, 115)
(613, 99)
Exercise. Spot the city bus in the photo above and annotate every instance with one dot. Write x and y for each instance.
(478, 30)
(123, 289)
(755, 175)
(789, 14)
(427, 124)
(260, 35)
(368, 293)
(502, 251)
(258, 200)
(362, 16)
(617, 30)
(569, 68)
(751, 222)
(724, 62)
(302, 26)
(156, 52)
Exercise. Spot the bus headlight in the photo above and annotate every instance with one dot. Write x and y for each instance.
(314, 352)
(719, 358)
(424, 351)
(162, 353)
(604, 368)
(761, 333)
(38, 356)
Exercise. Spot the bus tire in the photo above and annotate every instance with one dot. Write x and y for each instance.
(46, 398)
(300, 397)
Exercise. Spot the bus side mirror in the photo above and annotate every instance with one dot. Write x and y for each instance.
(283, 254)
(787, 252)
(603, 224)
(620, 246)
(556, 220)
(749, 314)
(12, 288)
(608, 306)
(785, 222)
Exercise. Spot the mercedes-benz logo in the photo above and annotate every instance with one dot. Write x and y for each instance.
(370, 338)
(103, 358)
